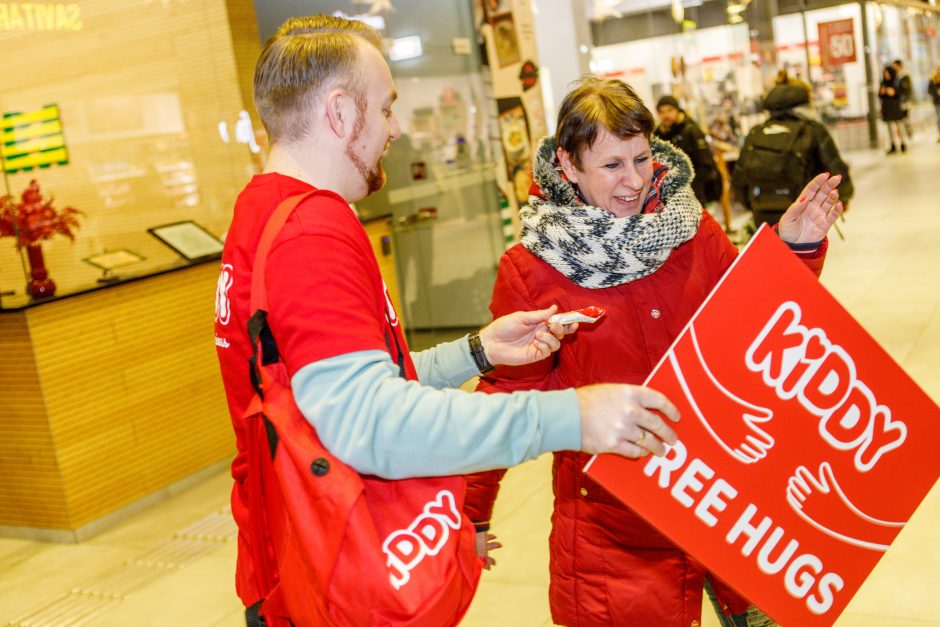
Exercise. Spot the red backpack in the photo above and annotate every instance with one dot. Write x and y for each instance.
(330, 546)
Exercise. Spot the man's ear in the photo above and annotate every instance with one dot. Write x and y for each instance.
(339, 112)
(571, 172)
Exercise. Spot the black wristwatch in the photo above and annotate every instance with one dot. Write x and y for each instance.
(479, 356)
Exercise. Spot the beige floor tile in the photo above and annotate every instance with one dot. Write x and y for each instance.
(200, 593)
(234, 619)
(42, 573)
(509, 604)
(172, 515)
(871, 620)
(521, 483)
(523, 559)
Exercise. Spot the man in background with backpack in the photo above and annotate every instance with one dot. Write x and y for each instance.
(784, 153)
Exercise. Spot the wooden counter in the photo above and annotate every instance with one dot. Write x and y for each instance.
(107, 397)
(112, 398)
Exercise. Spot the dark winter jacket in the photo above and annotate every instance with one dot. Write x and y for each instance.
(608, 566)
(906, 91)
(933, 88)
(891, 110)
(689, 138)
(815, 143)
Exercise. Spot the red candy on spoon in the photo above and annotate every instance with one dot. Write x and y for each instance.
(588, 314)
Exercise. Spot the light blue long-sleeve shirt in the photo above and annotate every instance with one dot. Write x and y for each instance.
(381, 424)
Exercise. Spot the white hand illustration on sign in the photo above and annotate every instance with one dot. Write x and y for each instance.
(820, 501)
(738, 432)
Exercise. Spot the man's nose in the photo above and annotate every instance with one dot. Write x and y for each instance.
(395, 128)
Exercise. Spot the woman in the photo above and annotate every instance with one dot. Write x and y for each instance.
(891, 112)
(933, 88)
(615, 223)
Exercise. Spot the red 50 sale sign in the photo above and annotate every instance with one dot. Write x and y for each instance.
(803, 447)
(837, 42)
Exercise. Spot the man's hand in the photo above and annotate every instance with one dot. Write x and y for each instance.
(617, 419)
(523, 337)
(487, 542)
(810, 218)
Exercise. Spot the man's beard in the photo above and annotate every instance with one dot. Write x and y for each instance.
(374, 178)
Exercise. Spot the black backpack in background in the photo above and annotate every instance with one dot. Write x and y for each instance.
(774, 164)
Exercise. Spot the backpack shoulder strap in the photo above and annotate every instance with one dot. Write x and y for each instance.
(259, 295)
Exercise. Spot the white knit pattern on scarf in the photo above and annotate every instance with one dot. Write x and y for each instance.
(592, 247)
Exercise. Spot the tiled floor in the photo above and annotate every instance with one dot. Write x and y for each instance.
(173, 565)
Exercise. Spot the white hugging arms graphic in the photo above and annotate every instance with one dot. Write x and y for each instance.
(820, 501)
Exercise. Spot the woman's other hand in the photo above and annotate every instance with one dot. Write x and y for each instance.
(486, 542)
(810, 218)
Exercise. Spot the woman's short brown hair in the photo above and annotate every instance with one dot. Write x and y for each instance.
(305, 55)
(597, 105)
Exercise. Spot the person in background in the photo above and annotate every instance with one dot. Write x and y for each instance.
(785, 152)
(933, 88)
(325, 95)
(906, 91)
(613, 222)
(676, 127)
(889, 92)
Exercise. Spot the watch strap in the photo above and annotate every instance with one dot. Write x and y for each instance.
(479, 355)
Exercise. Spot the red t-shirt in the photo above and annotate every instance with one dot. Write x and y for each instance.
(326, 297)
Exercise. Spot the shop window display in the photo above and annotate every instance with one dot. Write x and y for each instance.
(823, 47)
(718, 61)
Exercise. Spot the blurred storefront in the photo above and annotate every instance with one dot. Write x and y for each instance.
(720, 56)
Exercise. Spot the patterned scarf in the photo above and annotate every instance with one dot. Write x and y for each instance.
(592, 247)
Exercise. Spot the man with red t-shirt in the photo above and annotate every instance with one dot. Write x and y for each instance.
(324, 93)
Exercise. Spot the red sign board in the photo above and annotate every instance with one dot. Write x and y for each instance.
(803, 447)
(837, 42)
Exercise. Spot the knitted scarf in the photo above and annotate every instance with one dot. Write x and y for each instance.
(592, 247)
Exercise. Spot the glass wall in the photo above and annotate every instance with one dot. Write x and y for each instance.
(133, 113)
(441, 190)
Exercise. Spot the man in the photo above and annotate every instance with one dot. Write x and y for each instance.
(781, 155)
(325, 94)
(680, 130)
(906, 92)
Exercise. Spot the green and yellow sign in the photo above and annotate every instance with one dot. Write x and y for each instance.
(33, 139)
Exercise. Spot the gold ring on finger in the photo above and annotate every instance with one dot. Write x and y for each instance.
(641, 440)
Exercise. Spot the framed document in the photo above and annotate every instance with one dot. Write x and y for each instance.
(109, 260)
(189, 239)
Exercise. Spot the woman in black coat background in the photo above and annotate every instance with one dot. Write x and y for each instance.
(891, 111)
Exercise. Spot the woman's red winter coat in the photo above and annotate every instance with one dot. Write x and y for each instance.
(608, 566)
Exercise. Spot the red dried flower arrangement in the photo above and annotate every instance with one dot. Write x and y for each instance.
(34, 218)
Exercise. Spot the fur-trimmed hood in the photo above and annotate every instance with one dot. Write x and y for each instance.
(556, 189)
